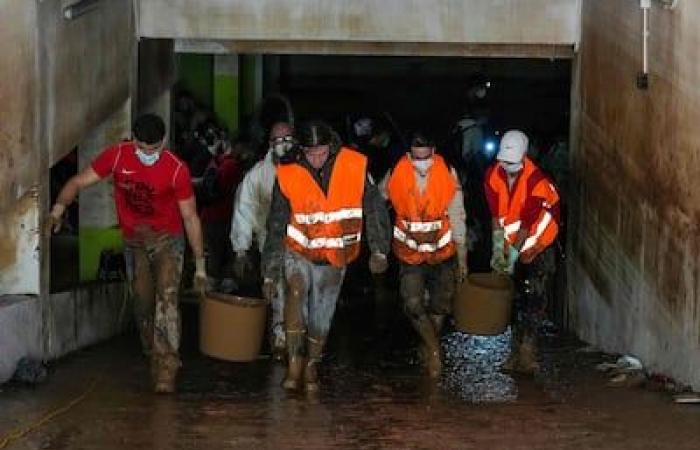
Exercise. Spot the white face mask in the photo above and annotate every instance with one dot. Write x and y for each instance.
(423, 165)
(282, 145)
(148, 159)
(282, 148)
(511, 168)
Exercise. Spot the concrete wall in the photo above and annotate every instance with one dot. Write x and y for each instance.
(634, 276)
(445, 21)
(19, 240)
(86, 64)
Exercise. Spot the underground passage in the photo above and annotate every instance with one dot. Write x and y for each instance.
(307, 225)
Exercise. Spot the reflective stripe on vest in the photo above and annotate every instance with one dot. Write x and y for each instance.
(322, 242)
(444, 241)
(422, 227)
(531, 241)
(328, 217)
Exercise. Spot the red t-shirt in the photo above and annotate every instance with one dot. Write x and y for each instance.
(145, 196)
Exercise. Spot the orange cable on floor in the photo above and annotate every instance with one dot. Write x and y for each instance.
(20, 433)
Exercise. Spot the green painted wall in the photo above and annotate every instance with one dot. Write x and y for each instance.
(195, 73)
(226, 100)
(91, 241)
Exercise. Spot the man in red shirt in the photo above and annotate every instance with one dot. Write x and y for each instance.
(154, 198)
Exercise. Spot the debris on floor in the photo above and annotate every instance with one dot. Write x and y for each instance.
(688, 398)
(627, 371)
(472, 368)
(30, 371)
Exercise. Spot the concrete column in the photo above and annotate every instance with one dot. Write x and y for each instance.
(226, 90)
(98, 219)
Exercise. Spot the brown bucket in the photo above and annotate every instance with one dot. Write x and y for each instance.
(231, 328)
(483, 305)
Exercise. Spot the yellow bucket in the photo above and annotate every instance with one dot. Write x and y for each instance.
(232, 328)
(484, 303)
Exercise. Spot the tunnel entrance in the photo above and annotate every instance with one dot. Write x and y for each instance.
(398, 94)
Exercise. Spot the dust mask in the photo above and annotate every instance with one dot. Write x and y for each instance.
(512, 168)
(147, 159)
(423, 165)
(281, 148)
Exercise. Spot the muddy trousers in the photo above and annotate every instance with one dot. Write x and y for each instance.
(533, 284)
(155, 269)
(312, 295)
(427, 312)
(278, 302)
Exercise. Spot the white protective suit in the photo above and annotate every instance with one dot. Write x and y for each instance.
(251, 208)
(252, 205)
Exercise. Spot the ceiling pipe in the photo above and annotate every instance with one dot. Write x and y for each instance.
(643, 76)
(79, 8)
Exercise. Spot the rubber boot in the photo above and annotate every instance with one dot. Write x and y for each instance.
(431, 346)
(438, 321)
(315, 348)
(513, 361)
(527, 356)
(146, 335)
(164, 370)
(295, 360)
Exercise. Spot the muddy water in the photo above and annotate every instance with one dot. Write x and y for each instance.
(374, 396)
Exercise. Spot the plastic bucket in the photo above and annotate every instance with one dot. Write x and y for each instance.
(232, 328)
(483, 305)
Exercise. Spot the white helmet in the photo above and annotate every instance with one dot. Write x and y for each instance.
(513, 147)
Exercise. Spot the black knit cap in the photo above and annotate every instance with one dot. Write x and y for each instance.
(313, 133)
(422, 139)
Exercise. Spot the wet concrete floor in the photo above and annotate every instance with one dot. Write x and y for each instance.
(374, 397)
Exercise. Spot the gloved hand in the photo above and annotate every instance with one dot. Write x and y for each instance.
(378, 263)
(462, 266)
(55, 219)
(513, 256)
(200, 282)
(242, 266)
(498, 258)
(269, 289)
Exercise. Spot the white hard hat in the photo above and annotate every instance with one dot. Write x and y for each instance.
(513, 148)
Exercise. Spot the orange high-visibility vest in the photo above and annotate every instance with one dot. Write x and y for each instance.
(422, 232)
(508, 206)
(326, 228)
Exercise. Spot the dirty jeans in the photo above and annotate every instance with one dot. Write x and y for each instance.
(278, 313)
(439, 282)
(312, 294)
(154, 268)
(533, 288)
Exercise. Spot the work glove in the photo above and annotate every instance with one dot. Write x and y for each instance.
(513, 256)
(55, 219)
(200, 282)
(269, 289)
(498, 258)
(242, 266)
(378, 263)
(462, 267)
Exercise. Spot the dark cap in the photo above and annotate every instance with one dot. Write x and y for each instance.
(313, 133)
(421, 139)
